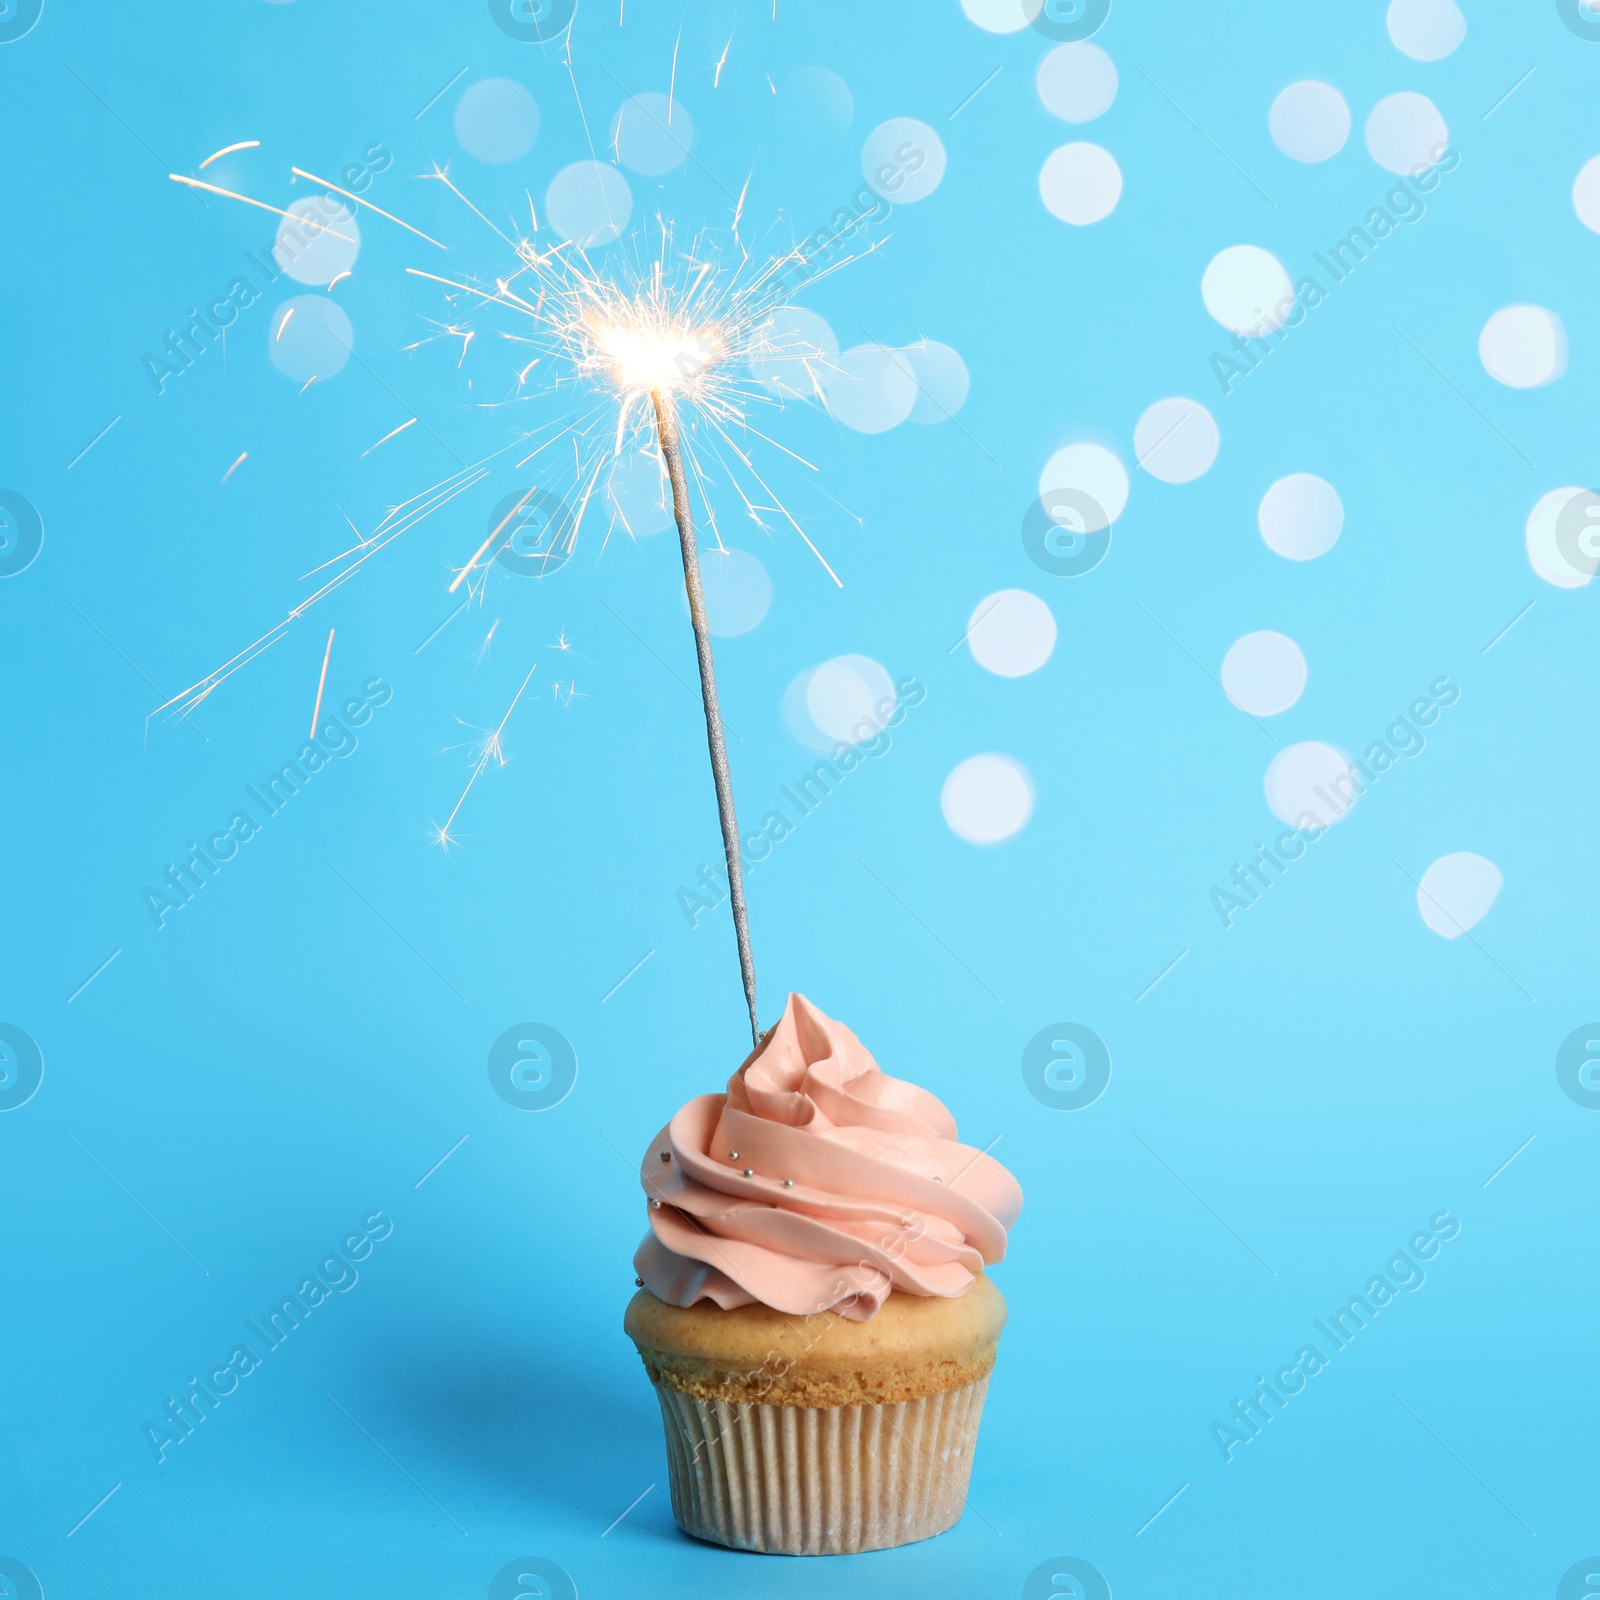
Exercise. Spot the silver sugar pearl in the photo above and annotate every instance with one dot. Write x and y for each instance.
(749, 1172)
(666, 1155)
(788, 1183)
(938, 1180)
(655, 1205)
(733, 1155)
(638, 1283)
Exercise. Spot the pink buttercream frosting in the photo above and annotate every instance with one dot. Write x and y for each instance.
(818, 1182)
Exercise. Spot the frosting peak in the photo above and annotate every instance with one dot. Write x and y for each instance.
(817, 1182)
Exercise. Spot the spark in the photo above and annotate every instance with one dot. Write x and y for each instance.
(489, 749)
(387, 437)
(260, 205)
(488, 639)
(284, 324)
(672, 82)
(244, 455)
(228, 150)
(311, 177)
(717, 76)
(309, 381)
(338, 278)
(316, 710)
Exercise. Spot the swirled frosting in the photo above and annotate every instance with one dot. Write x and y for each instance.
(818, 1183)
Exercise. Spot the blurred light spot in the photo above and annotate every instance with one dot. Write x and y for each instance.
(1310, 785)
(1080, 183)
(798, 354)
(1176, 440)
(1002, 16)
(639, 495)
(1246, 289)
(1405, 133)
(497, 121)
(822, 96)
(1309, 121)
(941, 378)
(1264, 673)
(737, 588)
(1563, 537)
(1586, 194)
(1301, 516)
(308, 247)
(588, 203)
(1090, 470)
(903, 160)
(871, 388)
(1077, 82)
(645, 140)
(844, 701)
(310, 337)
(1426, 30)
(987, 798)
(1523, 347)
(1457, 891)
(1011, 633)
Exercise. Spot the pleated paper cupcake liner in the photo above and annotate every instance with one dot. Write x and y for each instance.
(803, 1481)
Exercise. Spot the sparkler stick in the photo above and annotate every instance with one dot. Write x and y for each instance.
(672, 454)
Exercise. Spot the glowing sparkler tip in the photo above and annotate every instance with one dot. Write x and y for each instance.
(641, 350)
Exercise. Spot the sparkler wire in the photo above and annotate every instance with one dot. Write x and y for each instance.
(672, 454)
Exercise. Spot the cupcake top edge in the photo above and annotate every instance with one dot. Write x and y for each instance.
(817, 1182)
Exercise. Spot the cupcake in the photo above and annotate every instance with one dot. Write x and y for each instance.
(812, 1308)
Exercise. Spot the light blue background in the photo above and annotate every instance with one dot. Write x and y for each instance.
(242, 1087)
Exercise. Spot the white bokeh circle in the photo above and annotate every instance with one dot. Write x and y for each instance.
(1011, 633)
(1405, 133)
(871, 388)
(1077, 82)
(497, 121)
(1080, 183)
(651, 133)
(317, 241)
(1562, 537)
(1264, 673)
(1002, 16)
(588, 202)
(1087, 469)
(1457, 891)
(844, 701)
(310, 337)
(822, 97)
(1309, 121)
(1586, 194)
(1426, 30)
(942, 381)
(1310, 785)
(737, 589)
(903, 160)
(796, 354)
(1301, 516)
(1247, 290)
(1523, 347)
(987, 798)
(639, 495)
(1176, 440)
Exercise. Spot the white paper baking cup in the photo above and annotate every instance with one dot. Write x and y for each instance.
(809, 1481)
